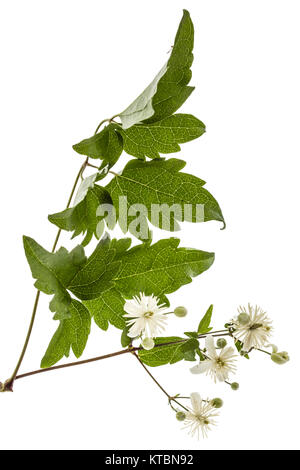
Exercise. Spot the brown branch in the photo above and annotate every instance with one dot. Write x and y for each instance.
(6, 386)
(76, 363)
(149, 373)
(170, 398)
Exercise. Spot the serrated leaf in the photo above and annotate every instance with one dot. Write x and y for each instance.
(71, 333)
(168, 354)
(107, 145)
(167, 196)
(82, 218)
(108, 308)
(149, 140)
(98, 273)
(54, 272)
(159, 269)
(204, 325)
(60, 272)
(169, 90)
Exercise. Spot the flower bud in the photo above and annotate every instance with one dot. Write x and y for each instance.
(180, 415)
(180, 312)
(148, 343)
(221, 343)
(243, 318)
(280, 357)
(273, 346)
(217, 402)
(235, 386)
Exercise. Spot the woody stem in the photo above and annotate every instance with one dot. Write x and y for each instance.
(8, 386)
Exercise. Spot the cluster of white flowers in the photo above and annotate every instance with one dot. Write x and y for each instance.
(250, 329)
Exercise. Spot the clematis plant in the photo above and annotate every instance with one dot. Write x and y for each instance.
(128, 287)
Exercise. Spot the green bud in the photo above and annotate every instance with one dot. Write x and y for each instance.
(280, 357)
(235, 386)
(180, 415)
(217, 402)
(221, 343)
(148, 343)
(243, 318)
(180, 312)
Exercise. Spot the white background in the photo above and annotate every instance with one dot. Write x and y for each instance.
(66, 65)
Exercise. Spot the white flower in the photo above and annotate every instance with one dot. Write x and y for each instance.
(256, 332)
(146, 317)
(200, 417)
(218, 364)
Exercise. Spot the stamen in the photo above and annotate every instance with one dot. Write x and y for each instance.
(255, 326)
(148, 314)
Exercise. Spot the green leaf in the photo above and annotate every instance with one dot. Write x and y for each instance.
(169, 354)
(107, 145)
(202, 357)
(167, 195)
(125, 339)
(191, 334)
(169, 90)
(82, 218)
(97, 275)
(71, 333)
(149, 140)
(85, 185)
(205, 322)
(54, 272)
(190, 355)
(108, 308)
(159, 269)
(156, 269)
(190, 345)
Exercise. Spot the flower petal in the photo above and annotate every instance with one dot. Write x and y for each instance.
(137, 328)
(196, 402)
(132, 308)
(210, 346)
(202, 367)
(228, 354)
